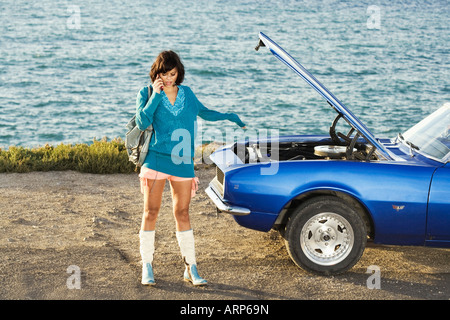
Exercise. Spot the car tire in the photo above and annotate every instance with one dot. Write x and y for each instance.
(325, 236)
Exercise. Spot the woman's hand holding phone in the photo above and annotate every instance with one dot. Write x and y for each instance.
(158, 84)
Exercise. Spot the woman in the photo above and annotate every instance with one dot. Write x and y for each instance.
(172, 109)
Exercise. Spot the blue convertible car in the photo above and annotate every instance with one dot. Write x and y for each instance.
(328, 195)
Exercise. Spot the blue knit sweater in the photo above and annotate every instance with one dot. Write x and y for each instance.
(171, 148)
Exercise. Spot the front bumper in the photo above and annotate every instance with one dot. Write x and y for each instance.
(222, 206)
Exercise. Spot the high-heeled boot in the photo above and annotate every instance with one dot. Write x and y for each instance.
(147, 248)
(187, 248)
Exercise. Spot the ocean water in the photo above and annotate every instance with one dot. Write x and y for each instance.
(70, 70)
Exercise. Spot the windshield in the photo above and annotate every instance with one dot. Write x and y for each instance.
(431, 136)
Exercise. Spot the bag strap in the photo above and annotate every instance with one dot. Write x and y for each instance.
(150, 91)
(141, 136)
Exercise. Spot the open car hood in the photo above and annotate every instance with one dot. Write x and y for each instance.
(342, 110)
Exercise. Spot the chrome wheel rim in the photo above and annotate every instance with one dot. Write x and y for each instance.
(327, 238)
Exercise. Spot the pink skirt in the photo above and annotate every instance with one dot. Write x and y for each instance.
(147, 174)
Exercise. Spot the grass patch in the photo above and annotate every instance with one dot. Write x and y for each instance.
(99, 157)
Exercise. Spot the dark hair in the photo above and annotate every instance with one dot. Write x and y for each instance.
(166, 61)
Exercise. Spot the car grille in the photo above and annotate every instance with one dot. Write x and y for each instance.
(220, 176)
(218, 181)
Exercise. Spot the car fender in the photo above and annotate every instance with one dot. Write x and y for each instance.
(343, 192)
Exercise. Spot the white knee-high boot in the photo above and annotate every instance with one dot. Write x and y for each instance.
(147, 249)
(187, 248)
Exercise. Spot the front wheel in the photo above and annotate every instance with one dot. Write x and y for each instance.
(325, 236)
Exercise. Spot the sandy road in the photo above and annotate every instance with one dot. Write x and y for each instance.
(55, 222)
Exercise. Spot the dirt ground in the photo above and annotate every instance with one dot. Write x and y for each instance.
(55, 224)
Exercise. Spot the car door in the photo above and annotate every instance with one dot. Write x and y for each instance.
(438, 218)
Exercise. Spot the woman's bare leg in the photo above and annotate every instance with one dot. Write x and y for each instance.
(152, 203)
(181, 197)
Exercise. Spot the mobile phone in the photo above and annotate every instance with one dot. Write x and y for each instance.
(159, 77)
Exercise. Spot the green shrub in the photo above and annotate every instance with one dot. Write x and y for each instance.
(99, 157)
